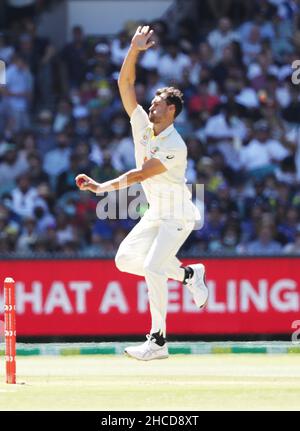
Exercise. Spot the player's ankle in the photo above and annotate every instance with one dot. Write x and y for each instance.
(188, 273)
(159, 338)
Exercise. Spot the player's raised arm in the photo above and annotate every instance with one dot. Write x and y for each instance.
(140, 42)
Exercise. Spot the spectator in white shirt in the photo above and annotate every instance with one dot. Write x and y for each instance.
(252, 46)
(260, 157)
(151, 57)
(226, 131)
(56, 161)
(24, 197)
(221, 37)
(18, 93)
(173, 63)
(119, 48)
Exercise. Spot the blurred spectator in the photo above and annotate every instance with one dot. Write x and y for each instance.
(74, 57)
(293, 247)
(221, 37)
(18, 93)
(24, 197)
(57, 160)
(151, 57)
(44, 132)
(226, 131)
(251, 45)
(65, 181)
(265, 244)
(35, 170)
(6, 50)
(28, 236)
(262, 153)
(172, 63)
(203, 100)
(13, 164)
(119, 48)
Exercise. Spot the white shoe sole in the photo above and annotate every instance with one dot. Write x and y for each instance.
(144, 359)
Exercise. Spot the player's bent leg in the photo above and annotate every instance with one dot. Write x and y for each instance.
(171, 236)
(134, 248)
(131, 263)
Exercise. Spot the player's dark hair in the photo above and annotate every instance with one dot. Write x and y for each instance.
(172, 96)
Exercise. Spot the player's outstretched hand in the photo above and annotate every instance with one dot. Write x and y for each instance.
(84, 182)
(141, 38)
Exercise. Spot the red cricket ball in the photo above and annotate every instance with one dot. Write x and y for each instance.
(80, 181)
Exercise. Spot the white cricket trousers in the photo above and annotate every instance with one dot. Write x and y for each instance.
(150, 250)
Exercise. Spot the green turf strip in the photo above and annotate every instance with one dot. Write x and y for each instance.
(97, 350)
(249, 349)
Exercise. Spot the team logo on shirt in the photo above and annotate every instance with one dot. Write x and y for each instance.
(154, 150)
(144, 140)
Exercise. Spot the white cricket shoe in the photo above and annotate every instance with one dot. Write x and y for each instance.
(196, 285)
(148, 350)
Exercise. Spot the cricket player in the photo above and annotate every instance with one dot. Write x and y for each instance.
(150, 249)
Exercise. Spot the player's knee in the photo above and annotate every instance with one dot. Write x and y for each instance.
(151, 268)
(122, 261)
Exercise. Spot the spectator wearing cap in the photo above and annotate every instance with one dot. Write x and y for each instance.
(260, 156)
(102, 60)
(18, 94)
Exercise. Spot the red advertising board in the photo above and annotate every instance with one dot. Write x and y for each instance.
(91, 297)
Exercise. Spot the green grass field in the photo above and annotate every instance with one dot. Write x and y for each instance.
(191, 382)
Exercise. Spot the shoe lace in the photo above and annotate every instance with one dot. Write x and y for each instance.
(150, 339)
(188, 281)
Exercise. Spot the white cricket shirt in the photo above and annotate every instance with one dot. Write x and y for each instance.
(167, 193)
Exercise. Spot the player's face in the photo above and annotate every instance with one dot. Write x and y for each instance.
(158, 109)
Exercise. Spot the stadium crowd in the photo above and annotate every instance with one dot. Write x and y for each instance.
(61, 114)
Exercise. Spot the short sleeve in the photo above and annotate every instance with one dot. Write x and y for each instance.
(170, 158)
(139, 120)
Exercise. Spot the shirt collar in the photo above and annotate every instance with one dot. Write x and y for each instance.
(166, 132)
